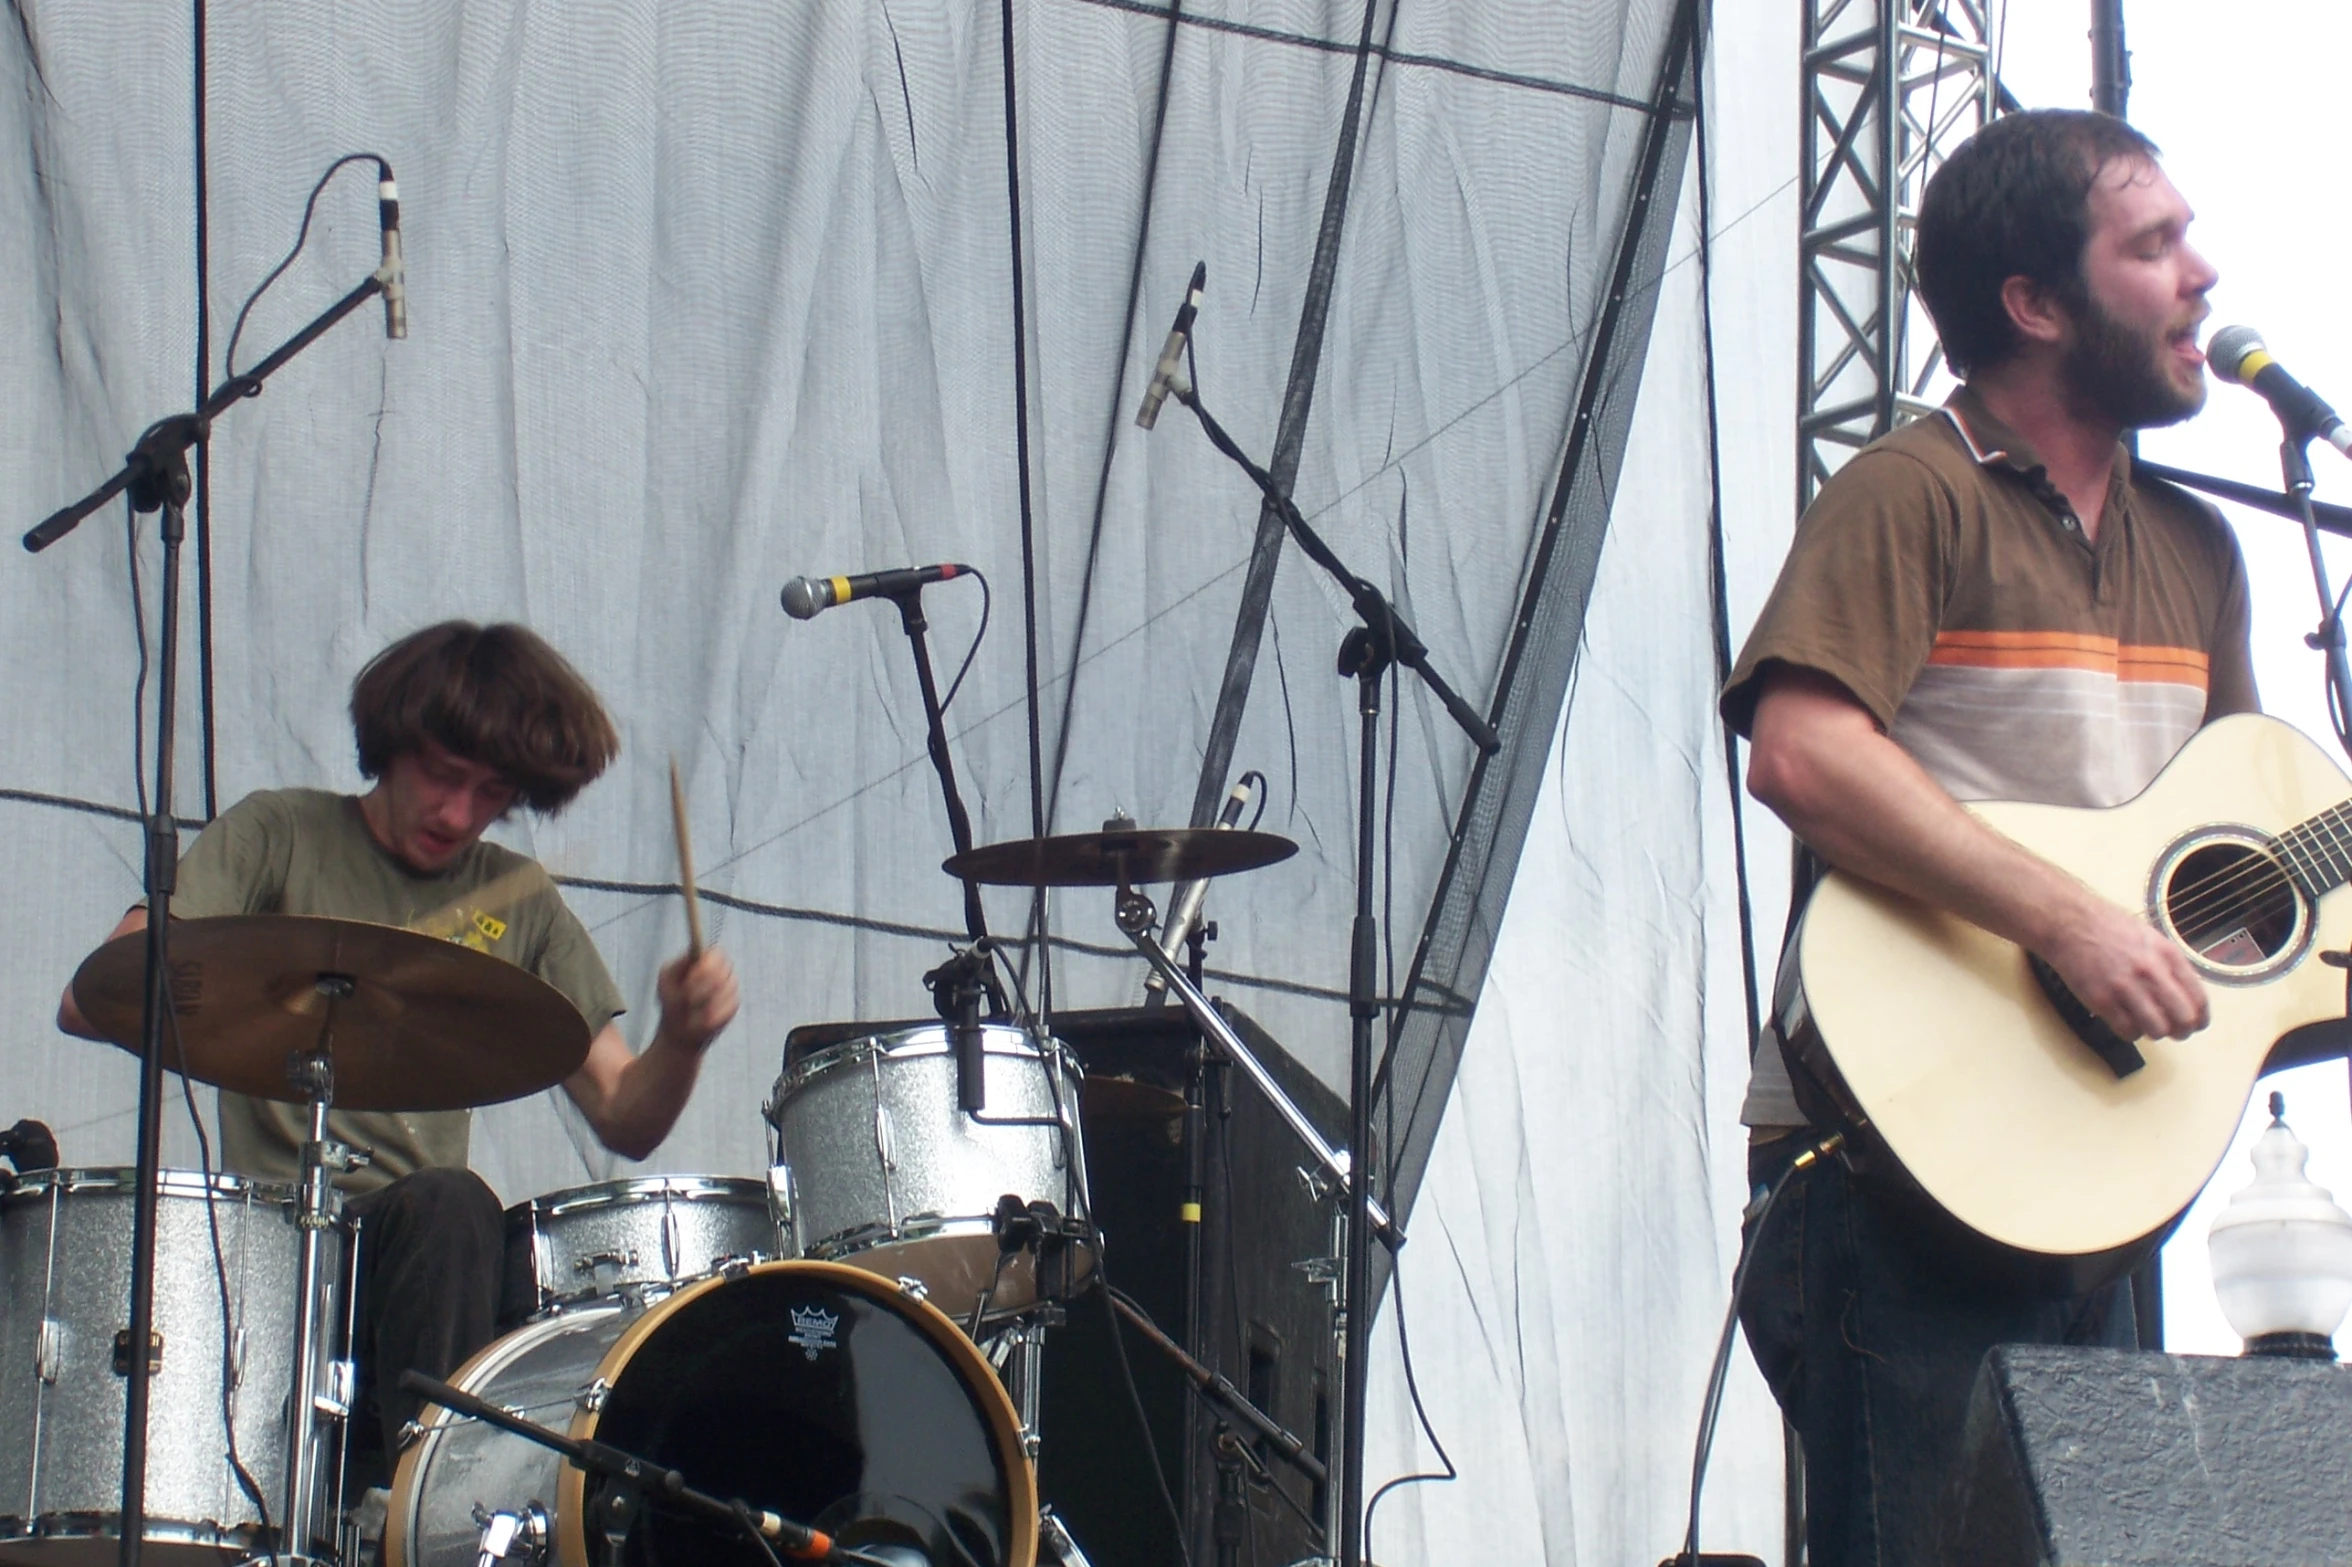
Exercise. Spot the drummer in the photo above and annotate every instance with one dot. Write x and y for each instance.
(457, 725)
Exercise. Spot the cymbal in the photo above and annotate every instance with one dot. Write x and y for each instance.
(427, 1025)
(1130, 854)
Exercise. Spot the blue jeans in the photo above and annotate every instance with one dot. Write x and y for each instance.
(1869, 1327)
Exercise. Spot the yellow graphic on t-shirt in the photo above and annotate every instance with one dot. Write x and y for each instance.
(471, 924)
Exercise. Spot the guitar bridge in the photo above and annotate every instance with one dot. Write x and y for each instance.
(2123, 1058)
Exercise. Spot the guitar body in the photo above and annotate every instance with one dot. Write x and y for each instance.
(1936, 1047)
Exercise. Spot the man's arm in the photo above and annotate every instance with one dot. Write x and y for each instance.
(632, 1101)
(1820, 761)
(69, 1013)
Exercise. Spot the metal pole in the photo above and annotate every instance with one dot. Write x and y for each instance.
(2110, 60)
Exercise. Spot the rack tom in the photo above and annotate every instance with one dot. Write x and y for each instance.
(876, 1166)
(642, 1237)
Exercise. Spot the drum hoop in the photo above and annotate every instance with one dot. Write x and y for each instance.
(233, 1539)
(913, 1044)
(642, 1189)
(125, 1178)
(491, 1357)
(979, 1378)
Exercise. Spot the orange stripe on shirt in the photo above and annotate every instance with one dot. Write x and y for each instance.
(2067, 650)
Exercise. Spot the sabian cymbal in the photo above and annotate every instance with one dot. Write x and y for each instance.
(426, 1024)
(1133, 855)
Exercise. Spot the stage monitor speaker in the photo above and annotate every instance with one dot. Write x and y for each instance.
(2129, 1459)
(1261, 1320)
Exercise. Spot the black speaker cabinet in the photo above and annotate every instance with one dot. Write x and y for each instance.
(2128, 1459)
(1261, 1318)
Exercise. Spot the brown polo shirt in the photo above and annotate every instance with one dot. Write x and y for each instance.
(1945, 581)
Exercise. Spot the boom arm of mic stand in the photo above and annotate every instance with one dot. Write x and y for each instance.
(1335, 1164)
(2330, 519)
(1378, 614)
(194, 426)
(613, 1463)
(1224, 1394)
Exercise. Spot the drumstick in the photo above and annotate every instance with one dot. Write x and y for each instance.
(685, 865)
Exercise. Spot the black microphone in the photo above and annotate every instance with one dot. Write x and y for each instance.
(2237, 353)
(392, 274)
(1170, 369)
(30, 1146)
(805, 596)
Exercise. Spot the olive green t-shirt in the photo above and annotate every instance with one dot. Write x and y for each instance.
(307, 851)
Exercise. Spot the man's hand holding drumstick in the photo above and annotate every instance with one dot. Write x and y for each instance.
(698, 992)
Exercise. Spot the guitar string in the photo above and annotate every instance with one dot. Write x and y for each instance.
(2261, 859)
(2263, 863)
(2253, 887)
(2260, 883)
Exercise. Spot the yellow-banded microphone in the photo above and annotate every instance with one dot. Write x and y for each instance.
(2237, 353)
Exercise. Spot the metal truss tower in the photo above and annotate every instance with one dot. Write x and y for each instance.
(1888, 84)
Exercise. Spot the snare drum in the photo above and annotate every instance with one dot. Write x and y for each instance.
(65, 1281)
(644, 1236)
(812, 1390)
(878, 1167)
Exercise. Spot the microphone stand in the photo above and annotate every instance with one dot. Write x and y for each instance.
(1365, 654)
(156, 476)
(958, 984)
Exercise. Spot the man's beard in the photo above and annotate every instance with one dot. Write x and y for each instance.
(2119, 373)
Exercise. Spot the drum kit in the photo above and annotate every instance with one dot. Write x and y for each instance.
(851, 1343)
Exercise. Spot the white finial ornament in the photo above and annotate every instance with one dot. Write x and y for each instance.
(2282, 1252)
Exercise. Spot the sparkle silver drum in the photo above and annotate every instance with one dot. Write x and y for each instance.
(640, 1237)
(876, 1166)
(65, 1279)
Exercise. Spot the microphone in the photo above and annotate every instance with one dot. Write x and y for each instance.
(1186, 911)
(805, 596)
(2237, 353)
(392, 274)
(1169, 373)
(30, 1146)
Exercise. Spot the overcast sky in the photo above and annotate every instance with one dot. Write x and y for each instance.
(2229, 105)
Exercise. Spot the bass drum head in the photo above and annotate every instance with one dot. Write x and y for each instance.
(810, 1389)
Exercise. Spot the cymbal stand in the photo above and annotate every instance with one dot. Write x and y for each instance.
(318, 1207)
(156, 477)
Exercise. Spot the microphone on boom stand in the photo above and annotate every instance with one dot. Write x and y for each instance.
(393, 274)
(805, 597)
(1168, 375)
(2238, 354)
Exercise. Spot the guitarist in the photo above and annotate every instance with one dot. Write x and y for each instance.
(1985, 604)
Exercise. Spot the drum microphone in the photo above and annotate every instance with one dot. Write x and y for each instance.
(392, 274)
(2237, 353)
(806, 596)
(1170, 369)
(30, 1146)
(1186, 912)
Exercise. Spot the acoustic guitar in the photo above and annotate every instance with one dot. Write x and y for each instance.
(1959, 1061)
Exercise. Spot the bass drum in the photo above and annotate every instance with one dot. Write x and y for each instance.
(811, 1389)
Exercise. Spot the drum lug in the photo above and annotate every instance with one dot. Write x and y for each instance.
(780, 1198)
(516, 1536)
(342, 1390)
(913, 1288)
(591, 1398)
(49, 1351)
(122, 1352)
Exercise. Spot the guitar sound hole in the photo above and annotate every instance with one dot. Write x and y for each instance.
(2232, 904)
